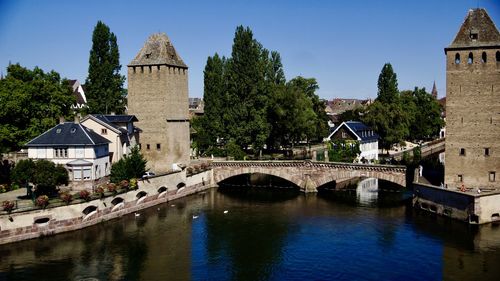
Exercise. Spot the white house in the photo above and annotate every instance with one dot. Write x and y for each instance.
(83, 152)
(118, 129)
(357, 131)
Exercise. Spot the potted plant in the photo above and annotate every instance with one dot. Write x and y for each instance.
(84, 194)
(133, 183)
(111, 187)
(42, 201)
(99, 191)
(8, 206)
(66, 197)
(124, 184)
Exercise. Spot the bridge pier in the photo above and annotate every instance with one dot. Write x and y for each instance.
(308, 185)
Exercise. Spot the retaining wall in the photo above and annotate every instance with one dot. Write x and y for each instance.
(36, 223)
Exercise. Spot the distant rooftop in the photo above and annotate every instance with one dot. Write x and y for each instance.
(158, 50)
(477, 30)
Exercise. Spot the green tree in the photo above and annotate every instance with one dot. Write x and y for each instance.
(23, 172)
(247, 97)
(387, 85)
(342, 151)
(104, 84)
(31, 102)
(130, 166)
(426, 122)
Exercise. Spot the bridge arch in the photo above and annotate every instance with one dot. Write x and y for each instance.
(309, 175)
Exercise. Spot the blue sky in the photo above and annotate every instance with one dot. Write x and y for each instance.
(343, 44)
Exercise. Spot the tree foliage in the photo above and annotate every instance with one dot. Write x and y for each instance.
(342, 151)
(31, 102)
(248, 101)
(44, 174)
(104, 84)
(130, 166)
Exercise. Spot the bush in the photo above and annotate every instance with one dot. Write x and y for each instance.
(8, 206)
(234, 150)
(85, 195)
(42, 201)
(131, 166)
(111, 187)
(99, 191)
(133, 183)
(189, 170)
(124, 184)
(66, 197)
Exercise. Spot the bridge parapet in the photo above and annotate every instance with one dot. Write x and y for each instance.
(310, 175)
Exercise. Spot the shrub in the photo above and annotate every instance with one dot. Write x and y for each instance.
(111, 187)
(66, 197)
(3, 188)
(204, 166)
(42, 201)
(8, 206)
(85, 195)
(133, 183)
(189, 170)
(124, 184)
(196, 168)
(99, 191)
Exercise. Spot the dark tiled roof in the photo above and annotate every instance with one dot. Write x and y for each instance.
(476, 22)
(68, 133)
(120, 118)
(364, 132)
(158, 50)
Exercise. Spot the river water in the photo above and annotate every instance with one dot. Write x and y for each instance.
(242, 233)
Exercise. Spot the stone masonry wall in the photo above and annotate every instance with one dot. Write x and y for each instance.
(158, 97)
(472, 118)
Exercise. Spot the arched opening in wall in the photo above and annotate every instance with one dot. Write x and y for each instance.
(42, 220)
(457, 58)
(470, 60)
(259, 187)
(162, 189)
(484, 57)
(89, 209)
(181, 185)
(498, 56)
(141, 194)
(89, 212)
(118, 203)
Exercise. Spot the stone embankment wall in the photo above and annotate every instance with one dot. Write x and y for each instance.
(153, 191)
(469, 206)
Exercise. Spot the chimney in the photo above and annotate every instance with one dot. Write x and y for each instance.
(61, 119)
(112, 113)
(77, 118)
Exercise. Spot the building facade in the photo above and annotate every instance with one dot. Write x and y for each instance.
(158, 97)
(473, 104)
(118, 129)
(359, 132)
(83, 152)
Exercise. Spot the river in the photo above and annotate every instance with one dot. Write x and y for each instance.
(242, 233)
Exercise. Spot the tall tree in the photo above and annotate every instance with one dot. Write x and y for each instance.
(246, 92)
(104, 84)
(31, 102)
(426, 122)
(387, 85)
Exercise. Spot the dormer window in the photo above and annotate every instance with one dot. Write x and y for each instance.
(58, 131)
(73, 130)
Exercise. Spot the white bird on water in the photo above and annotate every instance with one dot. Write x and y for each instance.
(226, 211)
(137, 214)
(195, 217)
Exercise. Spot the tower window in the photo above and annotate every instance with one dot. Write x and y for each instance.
(462, 151)
(498, 56)
(148, 147)
(483, 57)
(486, 151)
(460, 178)
(471, 58)
(457, 58)
(158, 146)
(473, 36)
(492, 176)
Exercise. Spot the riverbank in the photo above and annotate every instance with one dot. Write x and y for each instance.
(31, 224)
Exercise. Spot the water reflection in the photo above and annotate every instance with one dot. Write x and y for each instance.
(267, 234)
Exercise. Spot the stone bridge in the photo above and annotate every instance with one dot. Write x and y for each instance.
(309, 175)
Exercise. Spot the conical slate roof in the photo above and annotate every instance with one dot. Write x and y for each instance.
(477, 30)
(156, 51)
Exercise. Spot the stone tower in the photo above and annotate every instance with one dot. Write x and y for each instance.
(158, 97)
(473, 104)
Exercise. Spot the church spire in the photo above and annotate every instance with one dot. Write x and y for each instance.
(434, 91)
